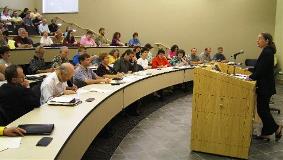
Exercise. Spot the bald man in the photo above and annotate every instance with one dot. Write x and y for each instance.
(43, 27)
(56, 83)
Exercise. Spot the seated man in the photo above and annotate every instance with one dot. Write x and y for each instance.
(127, 62)
(160, 60)
(5, 56)
(87, 40)
(55, 84)
(135, 40)
(37, 64)
(22, 40)
(219, 57)
(84, 75)
(194, 58)
(61, 58)
(53, 27)
(43, 27)
(16, 98)
(205, 56)
(101, 40)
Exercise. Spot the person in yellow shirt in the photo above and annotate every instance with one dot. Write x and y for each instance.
(113, 56)
(11, 131)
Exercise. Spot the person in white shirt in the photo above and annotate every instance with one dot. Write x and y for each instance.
(45, 39)
(143, 59)
(55, 84)
(5, 17)
(43, 27)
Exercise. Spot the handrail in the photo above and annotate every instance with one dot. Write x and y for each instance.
(97, 34)
(161, 45)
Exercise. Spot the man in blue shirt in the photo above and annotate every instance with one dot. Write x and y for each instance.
(135, 40)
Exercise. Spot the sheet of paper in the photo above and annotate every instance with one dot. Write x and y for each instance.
(99, 90)
(10, 142)
(62, 99)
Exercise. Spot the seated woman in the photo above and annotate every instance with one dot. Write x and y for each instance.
(45, 39)
(3, 39)
(70, 40)
(58, 37)
(142, 61)
(87, 40)
(160, 61)
(113, 56)
(116, 40)
(5, 56)
(104, 70)
(173, 51)
(127, 62)
(180, 59)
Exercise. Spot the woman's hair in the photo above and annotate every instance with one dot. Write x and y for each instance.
(268, 37)
(101, 29)
(174, 47)
(81, 48)
(160, 51)
(144, 50)
(116, 34)
(39, 48)
(69, 37)
(89, 32)
(127, 52)
(102, 56)
(181, 52)
(148, 46)
(3, 50)
(135, 34)
(113, 51)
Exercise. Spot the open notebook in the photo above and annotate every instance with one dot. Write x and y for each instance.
(64, 101)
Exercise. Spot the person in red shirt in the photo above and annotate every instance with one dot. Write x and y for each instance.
(160, 60)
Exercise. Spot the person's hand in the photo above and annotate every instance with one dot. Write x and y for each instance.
(25, 83)
(107, 80)
(67, 92)
(120, 75)
(248, 79)
(14, 131)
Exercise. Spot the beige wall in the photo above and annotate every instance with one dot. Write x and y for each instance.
(18, 4)
(279, 31)
(233, 24)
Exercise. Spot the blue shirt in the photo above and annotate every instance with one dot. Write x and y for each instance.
(76, 59)
(134, 42)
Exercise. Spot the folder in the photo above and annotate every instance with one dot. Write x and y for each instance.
(37, 129)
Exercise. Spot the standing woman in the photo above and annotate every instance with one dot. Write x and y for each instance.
(265, 86)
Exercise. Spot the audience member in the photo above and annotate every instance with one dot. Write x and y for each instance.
(55, 84)
(180, 59)
(116, 40)
(16, 19)
(106, 71)
(113, 56)
(84, 75)
(5, 56)
(219, 56)
(43, 27)
(70, 40)
(150, 56)
(22, 40)
(193, 57)
(81, 50)
(205, 56)
(173, 51)
(37, 63)
(142, 61)
(45, 39)
(101, 40)
(87, 40)
(135, 40)
(58, 37)
(16, 98)
(63, 57)
(127, 62)
(137, 51)
(53, 27)
(160, 60)
(35, 13)
(24, 13)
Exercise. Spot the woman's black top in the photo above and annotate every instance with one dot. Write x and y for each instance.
(102, 70)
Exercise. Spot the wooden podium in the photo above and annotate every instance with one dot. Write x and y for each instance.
(223, 112)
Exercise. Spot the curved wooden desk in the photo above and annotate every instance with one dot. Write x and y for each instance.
(76, 127)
